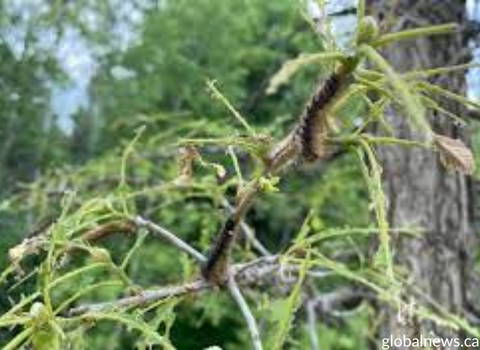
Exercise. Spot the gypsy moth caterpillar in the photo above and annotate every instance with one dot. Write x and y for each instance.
(313, 127)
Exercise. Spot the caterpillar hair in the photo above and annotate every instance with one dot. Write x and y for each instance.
(312, 129)
(213, 269)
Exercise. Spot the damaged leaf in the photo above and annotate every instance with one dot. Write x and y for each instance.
(454, 154)
(187, 156)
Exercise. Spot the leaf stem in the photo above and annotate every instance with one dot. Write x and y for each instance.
(414, 33)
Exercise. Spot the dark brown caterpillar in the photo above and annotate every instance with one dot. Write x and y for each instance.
(214, 269)
(308, 137)
(312, 129)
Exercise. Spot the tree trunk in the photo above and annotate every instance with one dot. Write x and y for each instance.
(420, 191)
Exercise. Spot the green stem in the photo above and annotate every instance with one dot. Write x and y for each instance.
(414, 33)
(76, 273)
(373, 178)
(217, 94)
(361, 10)
(381, 140)
(18, 340)
(412, 105)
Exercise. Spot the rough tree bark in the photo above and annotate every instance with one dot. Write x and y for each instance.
(420, 191)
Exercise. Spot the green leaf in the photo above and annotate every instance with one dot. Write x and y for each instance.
(283, 312)
(291, 67)
(410, 102)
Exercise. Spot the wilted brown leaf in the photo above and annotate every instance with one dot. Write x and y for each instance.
(187, 155)
(29, 246)
(454, 154)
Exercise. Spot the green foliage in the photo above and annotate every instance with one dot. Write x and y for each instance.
(284, 310)
(384, 256)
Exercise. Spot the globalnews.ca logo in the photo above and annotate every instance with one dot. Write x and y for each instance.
(429, 342)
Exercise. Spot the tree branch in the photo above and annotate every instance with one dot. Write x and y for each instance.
(247, 314)
(312, 325)
(245, 273)
(170, 237)
(144, 298)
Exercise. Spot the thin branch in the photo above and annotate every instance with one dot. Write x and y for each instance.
(415, 33)
(247, 314)
(236, 166)
(144, 298)
(170, 237)
(312, 323)
(217, 94)
(245, 273)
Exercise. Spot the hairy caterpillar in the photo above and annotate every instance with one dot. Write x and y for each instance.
(312, 129)
(309, 135)
(215, 267)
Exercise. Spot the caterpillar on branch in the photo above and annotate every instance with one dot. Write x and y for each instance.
(309, 136)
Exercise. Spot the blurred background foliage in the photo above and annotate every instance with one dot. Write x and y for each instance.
(77, 79)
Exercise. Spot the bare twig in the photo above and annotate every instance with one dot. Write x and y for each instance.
(144, 298)
(247, 314)
(246, 273)
(265, 260)
(312, 322)
(170, 237)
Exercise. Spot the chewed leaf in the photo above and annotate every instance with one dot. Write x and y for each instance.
(291, 67)
(454, 154)
(187, 155)
(29, 246)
